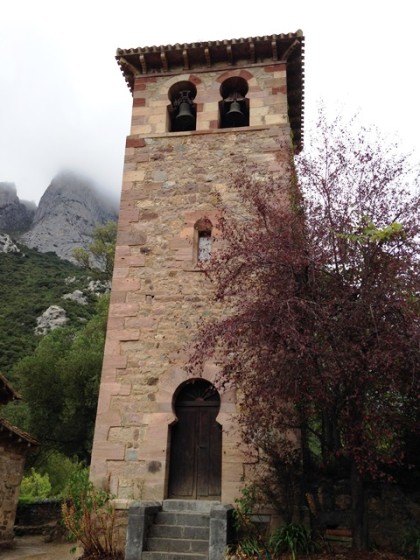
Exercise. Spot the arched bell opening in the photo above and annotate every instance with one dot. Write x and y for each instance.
(182, 109)
(195, 443)
(234, 107)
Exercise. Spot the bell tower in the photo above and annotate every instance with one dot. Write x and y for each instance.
(200, 111)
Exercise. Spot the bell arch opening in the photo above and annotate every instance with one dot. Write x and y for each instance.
(182, 109)
(234, 107)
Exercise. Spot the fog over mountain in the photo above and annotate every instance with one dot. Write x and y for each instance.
(16, 215)
(65, 218)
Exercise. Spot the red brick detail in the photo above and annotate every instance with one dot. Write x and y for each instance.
(128, 196)
(140, 83)
(132, 260)
(226, 75)
(125, 284)
(119, 362)
(245, 74)
(275, 67)
(131, 215)
(123, 335)
(115, 323)
(214, 124)
(131, 238)
(139, 102)
(122, 250)
(281, 89)
(123, 310)
(112, 347)
(118, 297)
(200, 107)
(195, 80)
(135, 143)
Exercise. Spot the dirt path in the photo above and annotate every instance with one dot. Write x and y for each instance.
(35, 548)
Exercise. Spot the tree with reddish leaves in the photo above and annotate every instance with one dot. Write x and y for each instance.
(320, 283)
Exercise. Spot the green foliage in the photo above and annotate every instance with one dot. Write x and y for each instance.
(100, 255)
(81, 492)
(411, 543)
(35, 486)
(60, 384)
(59, 468)
(31, 282)
(252, 540)
(90, 518)
(369, 233)
(248, 548)
(245, 505)
(293, 538)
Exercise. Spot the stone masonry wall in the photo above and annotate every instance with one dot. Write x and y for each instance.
(159, 295)
(12, 461)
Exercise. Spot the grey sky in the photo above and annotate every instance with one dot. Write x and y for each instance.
(64, 103)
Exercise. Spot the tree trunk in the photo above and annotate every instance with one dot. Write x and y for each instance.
(359, 510)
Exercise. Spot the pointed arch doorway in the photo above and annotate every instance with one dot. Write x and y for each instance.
(195, 443)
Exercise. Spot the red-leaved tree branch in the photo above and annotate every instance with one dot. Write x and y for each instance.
(318, 276)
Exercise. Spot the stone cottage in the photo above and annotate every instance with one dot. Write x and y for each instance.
(14, 445)
(200, 111)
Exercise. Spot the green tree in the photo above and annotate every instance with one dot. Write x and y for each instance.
(100, 255)
(60, 383)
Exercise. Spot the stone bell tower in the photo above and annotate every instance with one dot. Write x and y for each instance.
(200, 110)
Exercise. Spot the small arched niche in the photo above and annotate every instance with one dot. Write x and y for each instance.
(234, 107)
(182, 109)
(202, 245)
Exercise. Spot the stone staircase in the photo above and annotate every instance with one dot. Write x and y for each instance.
(179, 530)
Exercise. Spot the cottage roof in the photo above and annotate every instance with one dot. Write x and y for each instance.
(16, 434)
(7, 393)
(203, 56)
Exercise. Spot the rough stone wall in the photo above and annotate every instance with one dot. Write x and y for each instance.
(12, 461)
(158, 293)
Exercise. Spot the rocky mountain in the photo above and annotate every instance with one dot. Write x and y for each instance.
(33, 285)
(16, 216)
(65, 218)
(7, 245)
(67, 214)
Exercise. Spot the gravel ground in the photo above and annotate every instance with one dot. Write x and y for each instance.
(34, 547)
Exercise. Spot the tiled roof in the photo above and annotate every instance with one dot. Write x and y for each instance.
(18, 435)
(203, 56)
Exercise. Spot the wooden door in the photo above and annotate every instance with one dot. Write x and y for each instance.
(196, 444)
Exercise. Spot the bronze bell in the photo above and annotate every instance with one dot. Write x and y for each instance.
(185, 119)
(235, 115)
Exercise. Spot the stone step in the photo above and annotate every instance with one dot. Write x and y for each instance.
(190, 546)
(180, 532)
(153, 555)
(182, 518)
(199, 506)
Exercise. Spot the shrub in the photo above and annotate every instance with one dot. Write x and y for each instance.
(292, 538)
(90, 518)
(60, 469)
(411, 543)
(35, 486)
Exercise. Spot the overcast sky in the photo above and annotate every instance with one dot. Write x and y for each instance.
(64, 103)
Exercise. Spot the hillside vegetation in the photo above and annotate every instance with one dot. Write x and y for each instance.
(31, 282)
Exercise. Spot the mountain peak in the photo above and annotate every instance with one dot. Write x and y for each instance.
(65, 218)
